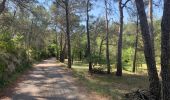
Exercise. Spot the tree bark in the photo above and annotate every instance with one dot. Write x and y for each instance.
(61, 48)
(150, 14)
(68, 33)
(72, 59)
(88, 38)
(154, 85)
(151, 28)
(119, 49)
(165, 50)
(100, 49)
(107, 40)
(136, 45)
(80, 55)
(2, 6)
(62, 54)
(57, 55)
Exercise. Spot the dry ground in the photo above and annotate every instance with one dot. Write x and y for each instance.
(48, 81)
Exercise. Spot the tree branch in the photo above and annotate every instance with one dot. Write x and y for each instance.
(60, 4)
(123, 5)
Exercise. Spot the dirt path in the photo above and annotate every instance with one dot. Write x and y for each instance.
(49, 81)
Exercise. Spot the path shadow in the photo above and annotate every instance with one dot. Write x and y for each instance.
(47, 81)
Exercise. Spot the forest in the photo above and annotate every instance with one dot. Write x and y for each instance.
(110, 49)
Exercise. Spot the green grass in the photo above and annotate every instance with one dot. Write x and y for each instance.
(109, 85)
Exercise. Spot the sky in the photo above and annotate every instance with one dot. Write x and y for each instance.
(99, 10)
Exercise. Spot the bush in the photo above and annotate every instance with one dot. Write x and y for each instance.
(99, 70)
(12, 63)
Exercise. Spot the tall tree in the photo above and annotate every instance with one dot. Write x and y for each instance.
(57, 44)
(154, 85)
(150, 23)
(119, 49)
(107, 38)
(165, 50)
(150, 15)
(68, 32)
(88, 37)
(136, 44)
(62, 48)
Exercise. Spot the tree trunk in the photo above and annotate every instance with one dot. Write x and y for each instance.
(57, 55)
(68, 33)
(61, 48)
(154, 85)
(136, 45)
(150, 14)
(165, 50)
(107, 40)
(119, 49)
(80, 55)
(88, 38)
(72, 59)
(151, 29)
(100, 49)
(2, 6)
(62, 54)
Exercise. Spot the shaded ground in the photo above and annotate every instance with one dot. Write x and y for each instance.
(110, 85)
(49, 81)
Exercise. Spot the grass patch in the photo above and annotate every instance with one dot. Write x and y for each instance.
(110, 85)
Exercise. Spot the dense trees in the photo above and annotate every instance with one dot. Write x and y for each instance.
(71, 29)
(24, 37)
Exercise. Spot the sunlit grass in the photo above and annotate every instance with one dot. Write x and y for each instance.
(110, 85)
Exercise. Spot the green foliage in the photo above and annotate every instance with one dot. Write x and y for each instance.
(52, 49)
(24, 38)
(97, 59)
(27, 36)
(127, 57)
